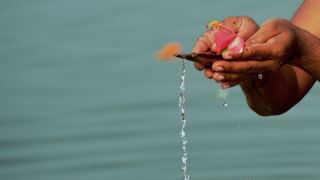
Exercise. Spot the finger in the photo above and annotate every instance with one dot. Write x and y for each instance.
(262, 51)
(232, 84)
(256, 52)
(226, 54)
(203, 43)
(247, 66)
(244, 26)
(261, 36)
(269, 29)
(247, 27)
(232, 77)
(208, 73)
(199, 66)
(226, 85)
(232, 23)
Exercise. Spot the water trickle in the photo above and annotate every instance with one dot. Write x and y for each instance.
(183, 120)
(223, 94)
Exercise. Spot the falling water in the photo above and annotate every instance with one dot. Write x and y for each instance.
(183, 119)
(223, 94)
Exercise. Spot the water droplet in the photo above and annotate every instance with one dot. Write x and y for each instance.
(182, 134)
(184, 142)
(184, 159)
(225, 104)
(184, 168)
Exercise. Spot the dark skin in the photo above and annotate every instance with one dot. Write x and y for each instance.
(286, 52)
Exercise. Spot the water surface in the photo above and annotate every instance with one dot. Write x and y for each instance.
(83, 98)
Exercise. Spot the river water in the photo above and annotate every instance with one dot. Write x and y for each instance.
(82, 97)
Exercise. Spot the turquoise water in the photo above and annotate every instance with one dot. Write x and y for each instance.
(82, 97)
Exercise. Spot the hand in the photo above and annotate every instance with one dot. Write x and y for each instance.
(273, 45)
(242, 25)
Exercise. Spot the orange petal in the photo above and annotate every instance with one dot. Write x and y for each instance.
(168, 51)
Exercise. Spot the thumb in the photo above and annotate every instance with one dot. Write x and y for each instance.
(203, 43)
(258, 51)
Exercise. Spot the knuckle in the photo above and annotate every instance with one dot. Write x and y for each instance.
(272, 23)
(230, 20)
(247, 26)
(277, 23)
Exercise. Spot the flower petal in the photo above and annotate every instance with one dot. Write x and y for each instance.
(223, 39)
(236, 46)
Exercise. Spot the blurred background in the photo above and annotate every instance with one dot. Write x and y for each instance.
(82, 97)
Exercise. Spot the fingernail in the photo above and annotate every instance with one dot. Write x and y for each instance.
(225, 85)
(220, 77)
(218, 68)
(227, 55)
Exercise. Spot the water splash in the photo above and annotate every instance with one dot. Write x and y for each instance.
(183, 119)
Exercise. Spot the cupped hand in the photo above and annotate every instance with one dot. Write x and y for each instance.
(244, 27)
(273, 45)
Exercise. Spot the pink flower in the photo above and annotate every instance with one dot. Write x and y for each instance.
(226, 40)
(222, 40)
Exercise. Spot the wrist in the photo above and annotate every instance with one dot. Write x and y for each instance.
(255, 91)
(308, 53)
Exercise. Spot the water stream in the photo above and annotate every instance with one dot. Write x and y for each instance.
(183, 119)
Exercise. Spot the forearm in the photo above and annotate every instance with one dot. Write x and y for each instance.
(309, 58)
(283, 89)
(307, 19)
